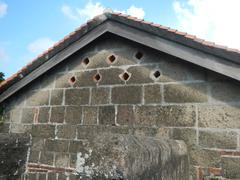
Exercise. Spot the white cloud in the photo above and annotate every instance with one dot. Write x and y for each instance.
(213, 20)
(93, 9)
(39, 45)
(136, 12)
(3, 9)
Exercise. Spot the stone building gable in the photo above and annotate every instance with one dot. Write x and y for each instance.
(115, 86)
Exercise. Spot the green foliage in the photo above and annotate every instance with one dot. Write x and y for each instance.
(1, 77)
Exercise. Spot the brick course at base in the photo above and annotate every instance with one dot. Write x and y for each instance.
(69, 106)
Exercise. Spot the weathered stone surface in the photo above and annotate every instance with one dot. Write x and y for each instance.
(37, 144)
(34, 157)
(188, 135)
(231, 166)
(204, 157)
(85, 78)
(57, 114)
(90, 115)
(77, 96)
(125, 115)
(56, 97)
(63, 80)
(107, 115)
(182, 93)
(20, 128)
(152, 94)
(161, 116)
(38, 98)
(56, 145)
(14, 115)
(100, 96)
(66, 131)
(173, 71)
(43, 130)
(225, 91)
(13, 154)
(62, 160)
(127, 95)
(46, 158)
(219, 116)
(43, 116)
(111, 76)
(73, 115)
(75, 146)
(28, 115)
(222, 139)
(98, 60)
(112, 160)
(140, 74)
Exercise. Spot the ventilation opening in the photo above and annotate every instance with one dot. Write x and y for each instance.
(72, 80)
(139, 55)
(157, 74)
(125, 76)
(111, 59)
(86, 61)
(97, 77)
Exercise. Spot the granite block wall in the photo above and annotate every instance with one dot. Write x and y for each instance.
(116, 86)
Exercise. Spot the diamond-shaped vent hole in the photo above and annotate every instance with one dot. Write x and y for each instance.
(125, 76)
(111, 58)
(86, 61)
(97, 77)
(73, 80)
(139, 55)
(157, 74)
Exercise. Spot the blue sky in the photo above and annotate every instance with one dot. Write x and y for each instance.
(28, 27)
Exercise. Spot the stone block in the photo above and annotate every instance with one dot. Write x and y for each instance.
(66, 131)
(43, 130)
(28, 115)
(46, 158)
(37, 144)
(111, 76)
(225, 91)
(20, 128)
(77, 97)
(76, 146)
(231, 166)
(140, 74)
(204, 157)
(31, 176)
(219, 139)
(62, 160)
(90, 115)
(219, 116)
(14, 115)
(34, 157)
(4, 128)
(100, 96)
(152, 94)
(47, 81)
(107, 115)
(63, 80)
(165, 116)
(85, 78)
(42, 176)
(56, 97)
(98, 60)
(125, 115)
(43, 116)
(52, 176)
(38, 98)
(73, 115)
(188, 135)
(87, 131)
(185, 93)
(56, 145)
(57, 114)
(127, 95)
